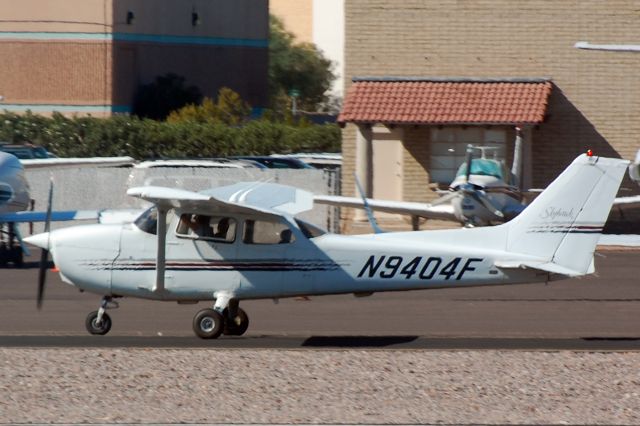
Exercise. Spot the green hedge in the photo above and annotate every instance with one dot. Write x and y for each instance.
(144, 138)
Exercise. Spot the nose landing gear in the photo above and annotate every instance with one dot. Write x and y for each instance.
(99, 322)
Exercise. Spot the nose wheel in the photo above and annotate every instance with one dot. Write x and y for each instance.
(99, 322)
(99, 327)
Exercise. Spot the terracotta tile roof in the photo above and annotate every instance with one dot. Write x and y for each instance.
(415, 101)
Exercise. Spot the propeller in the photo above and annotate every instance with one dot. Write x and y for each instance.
(44, 256)
(478, 195)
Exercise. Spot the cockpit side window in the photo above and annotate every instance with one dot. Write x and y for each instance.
(216, 228)
(267, 232)
(148, 221)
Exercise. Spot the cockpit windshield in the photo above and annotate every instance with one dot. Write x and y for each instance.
(483, 167)
(148, 221)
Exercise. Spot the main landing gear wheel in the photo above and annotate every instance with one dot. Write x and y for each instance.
(208, 324)
(95, 327)
(237, 325)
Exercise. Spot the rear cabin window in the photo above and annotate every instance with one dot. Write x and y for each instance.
(267, 232)
(215, 228)
(309, 230)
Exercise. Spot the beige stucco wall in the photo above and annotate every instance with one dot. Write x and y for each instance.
(297, 16)
(595, 102)
(55, 15)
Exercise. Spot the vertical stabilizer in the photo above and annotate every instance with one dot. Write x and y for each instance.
(564, 223)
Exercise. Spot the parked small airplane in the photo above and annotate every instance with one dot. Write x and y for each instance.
(484, 192)
(243, 242)
(15, 202)
(14, 196)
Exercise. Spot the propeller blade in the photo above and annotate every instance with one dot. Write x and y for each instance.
(42, 275)
(487, 203)
(44, 256)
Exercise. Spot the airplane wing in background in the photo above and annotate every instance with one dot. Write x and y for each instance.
(102, 216)
(619, 201)
(442, 209)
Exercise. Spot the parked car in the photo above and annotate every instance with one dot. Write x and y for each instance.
(26, 151)
(276, 162)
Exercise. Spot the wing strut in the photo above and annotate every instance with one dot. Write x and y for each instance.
(367, 208)
(161, 250)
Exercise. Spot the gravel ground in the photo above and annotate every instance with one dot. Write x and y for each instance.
(324, 386)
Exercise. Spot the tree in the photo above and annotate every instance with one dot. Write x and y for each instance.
(298, 68)
(229, 109)
(167, 93)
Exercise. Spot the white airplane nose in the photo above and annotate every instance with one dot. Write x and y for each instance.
(39, 240)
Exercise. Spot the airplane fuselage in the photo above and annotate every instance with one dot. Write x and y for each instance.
(121, 260)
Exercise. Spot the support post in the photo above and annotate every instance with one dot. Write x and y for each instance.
(364, 162)
(516, 167)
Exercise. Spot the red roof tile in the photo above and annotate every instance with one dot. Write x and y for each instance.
(446, 102)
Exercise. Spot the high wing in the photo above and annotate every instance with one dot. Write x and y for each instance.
(247, 197)
(438, 210)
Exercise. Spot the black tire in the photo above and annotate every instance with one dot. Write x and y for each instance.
(96, 329)
(17, 258)
(208, 324)
(238, 325)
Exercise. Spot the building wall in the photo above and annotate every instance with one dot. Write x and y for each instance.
(594, 103)
(328, 35)
(82, 56)
(297, 17)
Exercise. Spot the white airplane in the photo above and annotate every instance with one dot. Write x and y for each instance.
(484, 193)
(243, 242)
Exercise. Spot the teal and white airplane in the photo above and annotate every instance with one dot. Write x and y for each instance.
(243, 242)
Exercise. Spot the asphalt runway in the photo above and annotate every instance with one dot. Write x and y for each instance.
(599, 312)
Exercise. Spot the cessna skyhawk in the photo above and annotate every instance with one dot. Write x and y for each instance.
(243, 242)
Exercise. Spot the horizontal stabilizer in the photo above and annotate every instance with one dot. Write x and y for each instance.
(549, 267)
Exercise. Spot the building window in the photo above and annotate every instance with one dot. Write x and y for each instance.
(449, 148)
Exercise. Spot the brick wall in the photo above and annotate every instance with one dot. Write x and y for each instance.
(55, 72)
(595, 101)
